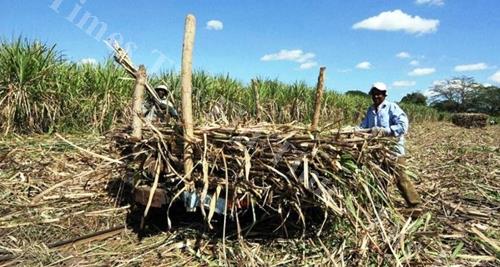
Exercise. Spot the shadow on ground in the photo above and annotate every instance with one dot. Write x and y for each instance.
(266, 226)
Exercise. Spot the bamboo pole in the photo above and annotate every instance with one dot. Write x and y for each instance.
(186, 86)
(138, 98)
(319, 96)
(255, 87)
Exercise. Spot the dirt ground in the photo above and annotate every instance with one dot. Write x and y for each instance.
(50, 191)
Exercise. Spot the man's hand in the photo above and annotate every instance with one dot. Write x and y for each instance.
(380, 131)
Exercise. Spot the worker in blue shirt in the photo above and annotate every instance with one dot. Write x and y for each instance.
(385, 118)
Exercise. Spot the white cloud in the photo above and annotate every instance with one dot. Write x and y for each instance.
(404, 83)
(471, 67)
(430, 2)
(397, 20)
(365, 65)
(296, 55)
(403, 55)
(495, 77)
(91, 61)
(422, 71)
(429, 93)
(305, 57)
(414, 62)
(438, 82)
(308, 65)
(215, 25)
(306, 60)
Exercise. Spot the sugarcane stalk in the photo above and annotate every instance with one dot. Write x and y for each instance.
(255, 87)
(186, 86)
(121, 57)
(138, 99)
(319, 96)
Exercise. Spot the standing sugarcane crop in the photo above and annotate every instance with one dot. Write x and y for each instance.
(385, 118)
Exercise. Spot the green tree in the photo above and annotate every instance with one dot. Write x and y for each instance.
(415, 98)
(463, 94)
(357, 93)
(485, 99)
(454, 95)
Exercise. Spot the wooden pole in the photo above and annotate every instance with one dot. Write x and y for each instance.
(255, 87)
(186, 86)
(138, 98)
(319, 97)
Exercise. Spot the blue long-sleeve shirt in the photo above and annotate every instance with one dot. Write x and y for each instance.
(390, 117)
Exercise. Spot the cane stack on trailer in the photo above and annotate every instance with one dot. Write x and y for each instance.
(247, 173)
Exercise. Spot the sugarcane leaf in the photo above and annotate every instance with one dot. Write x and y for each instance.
(213, 205)
(248, 165)
(306, 172)
(457, 250)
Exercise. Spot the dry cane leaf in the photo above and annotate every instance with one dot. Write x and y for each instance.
(213, 205)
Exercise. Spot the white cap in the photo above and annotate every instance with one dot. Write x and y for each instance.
(380, 86)
(161, 87)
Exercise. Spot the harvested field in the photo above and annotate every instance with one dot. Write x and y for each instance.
(51, 191)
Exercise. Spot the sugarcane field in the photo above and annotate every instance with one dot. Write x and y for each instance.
(212, 151)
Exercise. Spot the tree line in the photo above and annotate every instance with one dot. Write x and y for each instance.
(458, 94)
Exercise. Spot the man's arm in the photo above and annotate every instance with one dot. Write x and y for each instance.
(398, 120)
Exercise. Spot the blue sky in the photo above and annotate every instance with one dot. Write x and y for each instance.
(408, 44)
